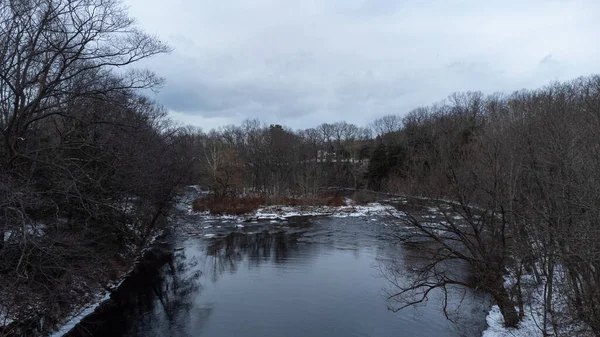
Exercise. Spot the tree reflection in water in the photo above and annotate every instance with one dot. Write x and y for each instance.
(330, 285)
(403, 270)
(158, 299)
(155, 301)
(224, 255)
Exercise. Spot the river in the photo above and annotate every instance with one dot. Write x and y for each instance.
(316, 276)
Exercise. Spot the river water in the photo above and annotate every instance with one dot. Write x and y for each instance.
(315, 276)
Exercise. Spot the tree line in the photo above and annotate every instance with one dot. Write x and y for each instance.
(522, 170)
(272, 160)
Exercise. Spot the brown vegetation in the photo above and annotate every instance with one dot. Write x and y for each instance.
(228, 205)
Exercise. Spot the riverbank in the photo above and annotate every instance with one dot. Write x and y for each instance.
(33, 321)
(559, 321)
(103, 296)
(252, 209)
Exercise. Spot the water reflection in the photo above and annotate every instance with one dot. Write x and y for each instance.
(226, 254)
(411, 284)
(314, 278)
(155, 301)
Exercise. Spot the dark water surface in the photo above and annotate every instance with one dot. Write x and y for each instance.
(309, 277)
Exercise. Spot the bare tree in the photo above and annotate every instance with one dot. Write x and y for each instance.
(88, 167)
(54, 51)
(387, 124)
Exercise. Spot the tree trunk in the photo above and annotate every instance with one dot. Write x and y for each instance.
(506, 305)
(548, 293)
(519, 293)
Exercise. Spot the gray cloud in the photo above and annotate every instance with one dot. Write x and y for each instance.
(307, 62)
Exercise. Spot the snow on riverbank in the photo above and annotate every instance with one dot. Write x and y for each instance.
(533, 320)
(79, 316)
(76, 317)
(278, 212)
(527, 328)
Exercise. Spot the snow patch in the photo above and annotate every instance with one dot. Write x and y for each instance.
(532, 322)
(74, 320)
(284, 212)
(278, 213)
(527, 328)
(102, 297)
(5, 319)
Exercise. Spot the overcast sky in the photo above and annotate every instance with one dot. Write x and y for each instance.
(305, 62)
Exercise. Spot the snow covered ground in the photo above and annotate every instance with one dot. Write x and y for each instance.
(529, 326)
(533, 320)
(77, 317)
(279, 212)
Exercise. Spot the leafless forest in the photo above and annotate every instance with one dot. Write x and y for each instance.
(89, 168)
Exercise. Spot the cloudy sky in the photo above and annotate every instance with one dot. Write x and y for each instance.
(306, 62)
